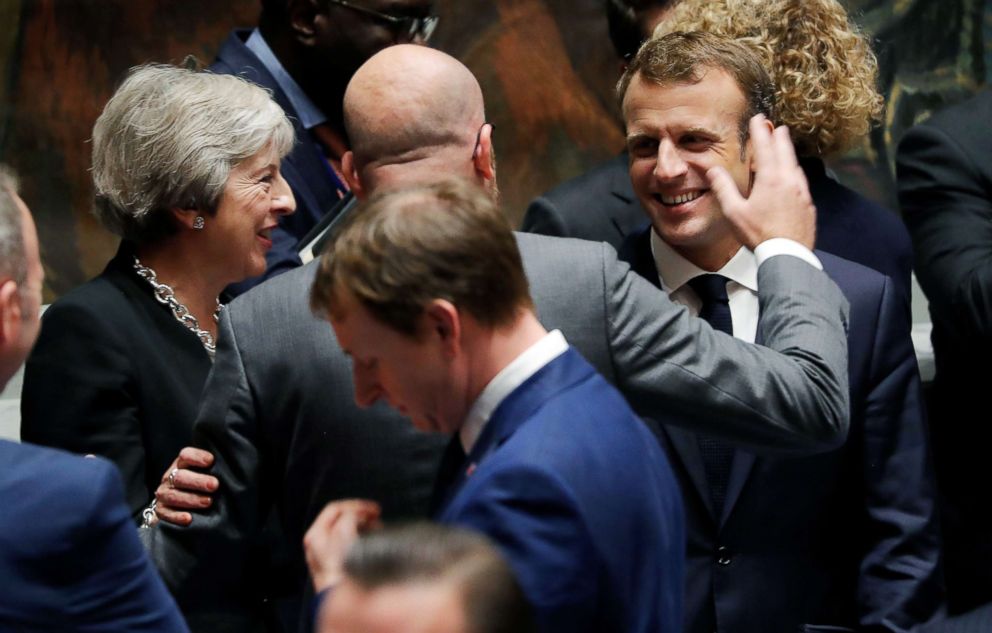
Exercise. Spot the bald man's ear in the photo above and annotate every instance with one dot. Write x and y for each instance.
(302, 19)
(483, 157)
(351, 175)
(10, 311)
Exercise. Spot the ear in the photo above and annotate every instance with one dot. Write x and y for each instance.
(445, 325)
(186, 217)
(303, 16)
(749, 149)
(10, 311)
(351, 175)
(485, 167)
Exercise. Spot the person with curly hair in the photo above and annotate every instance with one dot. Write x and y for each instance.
(824, 74)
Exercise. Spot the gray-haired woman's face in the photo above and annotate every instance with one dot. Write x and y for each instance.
(254, 197)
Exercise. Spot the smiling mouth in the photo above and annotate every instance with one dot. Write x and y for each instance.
(682, 198)
(266, 234)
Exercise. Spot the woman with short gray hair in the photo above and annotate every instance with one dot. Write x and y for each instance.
(186, 172)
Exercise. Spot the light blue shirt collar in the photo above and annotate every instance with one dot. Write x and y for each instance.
(308, 113)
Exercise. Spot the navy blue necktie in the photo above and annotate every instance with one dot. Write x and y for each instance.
(717, 454)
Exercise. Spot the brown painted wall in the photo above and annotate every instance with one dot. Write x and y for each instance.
(546, 67)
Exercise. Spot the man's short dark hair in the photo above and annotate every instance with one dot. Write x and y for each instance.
(405, 248)
(684, 58)
(492, 599)
(13, 261)
(625, 19)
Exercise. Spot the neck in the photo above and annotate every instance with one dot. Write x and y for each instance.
(182, 268)
(710, 257)
(493, 350)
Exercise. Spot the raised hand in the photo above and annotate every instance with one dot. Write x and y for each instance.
(779, 204)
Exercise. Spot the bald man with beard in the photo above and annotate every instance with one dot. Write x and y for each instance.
(279, 427)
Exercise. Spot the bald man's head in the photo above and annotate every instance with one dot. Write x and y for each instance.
(410, 112)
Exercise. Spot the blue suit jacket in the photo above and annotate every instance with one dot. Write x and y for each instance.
(846, 538)
(313, 183)
(574, 490)
(70, 558)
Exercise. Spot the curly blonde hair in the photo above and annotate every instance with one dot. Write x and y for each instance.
(822, 65)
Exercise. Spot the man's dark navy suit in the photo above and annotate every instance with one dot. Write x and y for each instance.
(846, 538)
(305, 168)
(70, 558)
(574, 490)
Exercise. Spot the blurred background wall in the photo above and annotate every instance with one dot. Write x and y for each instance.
(546, 67)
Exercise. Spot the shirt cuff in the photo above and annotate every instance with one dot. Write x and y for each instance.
(784, 246)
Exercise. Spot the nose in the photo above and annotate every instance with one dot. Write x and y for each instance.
(670, 164)
(283, 202)
(367, 387)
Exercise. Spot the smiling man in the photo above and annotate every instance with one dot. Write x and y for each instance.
(426, 292)
(845, 540)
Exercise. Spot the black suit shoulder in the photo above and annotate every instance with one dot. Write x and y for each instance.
(857, 229)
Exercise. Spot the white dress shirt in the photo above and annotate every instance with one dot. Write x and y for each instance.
(675, 271)
(551, 346)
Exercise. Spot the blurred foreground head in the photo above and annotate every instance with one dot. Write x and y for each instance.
(21, 278)
(425, 578)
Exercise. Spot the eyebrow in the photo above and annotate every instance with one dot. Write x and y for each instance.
(638, 136)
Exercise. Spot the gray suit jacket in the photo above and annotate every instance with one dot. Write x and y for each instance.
(279, 415)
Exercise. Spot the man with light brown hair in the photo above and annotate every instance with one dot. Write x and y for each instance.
(425, 290)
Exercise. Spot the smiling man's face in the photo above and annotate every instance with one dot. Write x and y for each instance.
(675, 133)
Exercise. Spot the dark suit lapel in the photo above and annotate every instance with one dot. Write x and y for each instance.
(685, 445)
(742, 466)
(628, 218)
(636, 251)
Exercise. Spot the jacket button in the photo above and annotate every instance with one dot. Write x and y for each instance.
(723, 557)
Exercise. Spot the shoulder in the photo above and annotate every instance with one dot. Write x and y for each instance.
(535, 246)
(950, 132)
(234, 58)
(51, 490)
(958, 120)
(283, 296)
(855, 280)
(601, 181)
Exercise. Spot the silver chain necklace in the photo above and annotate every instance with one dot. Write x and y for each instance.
(165, 295)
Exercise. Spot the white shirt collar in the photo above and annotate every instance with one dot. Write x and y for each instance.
(308, 113)
(675, 270)
(551, 346)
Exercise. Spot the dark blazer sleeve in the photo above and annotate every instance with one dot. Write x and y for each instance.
(78, 394)
(945, 199)
(900, 585)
